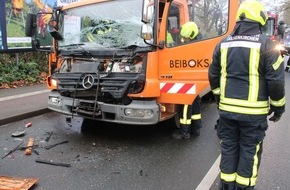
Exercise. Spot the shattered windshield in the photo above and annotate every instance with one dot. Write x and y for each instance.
(109, 24)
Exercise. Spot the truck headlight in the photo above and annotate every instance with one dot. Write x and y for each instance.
(54, 82)
(141, 113)
(136, 87)
(55, 100)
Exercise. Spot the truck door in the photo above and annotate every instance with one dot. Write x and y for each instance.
(183, 66)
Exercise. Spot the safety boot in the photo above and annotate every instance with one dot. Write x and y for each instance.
(195, 131)
(227, 186)
(182, 133)
(245, 188)
(195, 128)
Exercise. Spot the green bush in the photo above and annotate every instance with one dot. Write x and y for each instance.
(28, 68)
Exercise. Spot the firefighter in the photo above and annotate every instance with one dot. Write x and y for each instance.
(190, 118)
(247, 79)
(281, 29)
(169, 39)
(287, 47)
(288, 65)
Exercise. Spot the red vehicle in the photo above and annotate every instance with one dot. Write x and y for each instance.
(271, 26)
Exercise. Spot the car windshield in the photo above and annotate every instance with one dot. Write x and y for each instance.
(268, 28)
(109, 24)
(287, 39)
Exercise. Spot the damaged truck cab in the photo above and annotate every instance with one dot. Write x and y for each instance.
(122, 61)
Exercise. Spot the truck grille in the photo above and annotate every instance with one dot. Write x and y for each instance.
(106, 86)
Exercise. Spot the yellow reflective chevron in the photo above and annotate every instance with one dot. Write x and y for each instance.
(169, 38)
(246, 181)
(277, 64)
(228, 177)
(254, 74)
(196, 117)
(278, 103)
(90, 37)
(184, 120)
(245, 103)
(224, 52)
(250, 105)
(243, 110)
(252, 180)
(255, 165)
(216, 91)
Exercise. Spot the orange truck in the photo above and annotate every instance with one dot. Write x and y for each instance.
(113, 61)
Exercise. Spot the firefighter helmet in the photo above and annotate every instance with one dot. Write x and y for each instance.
(252, 10)
(281, 22)
(189, 30)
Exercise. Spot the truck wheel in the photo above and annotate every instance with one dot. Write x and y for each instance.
(86, 125)
(177, 120)
(173, 122)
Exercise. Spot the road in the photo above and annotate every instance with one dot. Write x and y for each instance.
(110, 157)
(120, 157)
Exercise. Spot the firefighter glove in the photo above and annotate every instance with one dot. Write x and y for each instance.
(275, 117)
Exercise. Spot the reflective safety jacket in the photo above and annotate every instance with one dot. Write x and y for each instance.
(247, 73)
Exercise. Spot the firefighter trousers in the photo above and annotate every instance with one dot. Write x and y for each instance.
(241, 150)
(190, 114)
(288, 65)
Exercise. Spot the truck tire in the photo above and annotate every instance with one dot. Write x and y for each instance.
(86, 125)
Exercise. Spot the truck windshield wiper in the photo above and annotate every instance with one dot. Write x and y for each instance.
(73, 47)
(130, 47)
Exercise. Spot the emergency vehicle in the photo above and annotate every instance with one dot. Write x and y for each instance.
(270, 29)
(113, 61)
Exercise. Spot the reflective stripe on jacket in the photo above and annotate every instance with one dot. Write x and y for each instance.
(246, 71)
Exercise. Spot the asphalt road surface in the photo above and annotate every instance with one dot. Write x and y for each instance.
(109, 156)
(105, 156)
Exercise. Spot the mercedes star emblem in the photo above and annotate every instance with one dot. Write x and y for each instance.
(88, 81)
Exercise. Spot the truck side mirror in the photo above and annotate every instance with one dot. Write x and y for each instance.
(146, 32)
(31, 25)
(54, 33)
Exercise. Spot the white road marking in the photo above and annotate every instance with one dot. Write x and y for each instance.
(23, 95)
(210, 177)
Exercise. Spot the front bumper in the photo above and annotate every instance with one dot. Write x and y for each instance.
(106, 112)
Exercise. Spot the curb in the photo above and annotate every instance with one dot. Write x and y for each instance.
(24, 116)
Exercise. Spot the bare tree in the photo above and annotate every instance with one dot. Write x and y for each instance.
(285, 7)
(210, 13)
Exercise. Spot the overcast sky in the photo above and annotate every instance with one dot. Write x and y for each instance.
(270, 4)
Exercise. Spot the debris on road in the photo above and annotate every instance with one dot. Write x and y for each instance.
(29, 146)
(18, 133)
(36, 152)
(49, 136)
(11, 183)
(28, 124)
(69, 121)
(11, 151)
(53, 145)
(52, 163)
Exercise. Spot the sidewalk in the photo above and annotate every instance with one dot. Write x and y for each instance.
(23, 102)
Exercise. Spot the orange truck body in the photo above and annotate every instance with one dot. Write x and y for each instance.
(173, 75)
